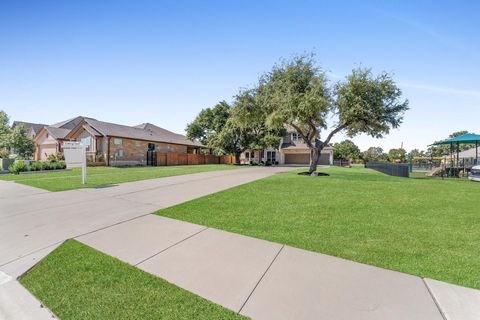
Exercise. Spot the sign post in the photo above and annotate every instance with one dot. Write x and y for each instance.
(76, 157)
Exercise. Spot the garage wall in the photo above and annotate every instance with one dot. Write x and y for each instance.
(45, 145)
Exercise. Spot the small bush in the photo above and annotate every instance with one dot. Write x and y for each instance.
(4, 153)
(57, 165)
(56, 157)
(18, 166)
(46, 166)
(36, 166)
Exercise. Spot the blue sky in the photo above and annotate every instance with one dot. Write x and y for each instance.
(163, 61)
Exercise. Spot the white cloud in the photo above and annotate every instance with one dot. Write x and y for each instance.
(443, 90)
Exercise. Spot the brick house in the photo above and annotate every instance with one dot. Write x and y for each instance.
(120, 145)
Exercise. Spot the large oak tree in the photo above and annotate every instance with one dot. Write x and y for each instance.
(298, 94)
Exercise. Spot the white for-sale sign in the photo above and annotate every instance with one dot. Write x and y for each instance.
(76, 157)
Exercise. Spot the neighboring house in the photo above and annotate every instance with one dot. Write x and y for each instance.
(292, 150)
(119, 145)
(49, 139)
(33, 128)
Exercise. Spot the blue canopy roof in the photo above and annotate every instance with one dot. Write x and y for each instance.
(469, 138)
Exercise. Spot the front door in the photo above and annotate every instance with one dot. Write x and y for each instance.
(151, 155)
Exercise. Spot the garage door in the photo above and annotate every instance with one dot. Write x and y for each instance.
(304, 158)
(297, 158)
(324, 159)
(46, 150)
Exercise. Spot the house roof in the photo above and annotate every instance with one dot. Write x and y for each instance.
(36, 127)
(145, 131)
(58, 133)
(470, 153)
(69, 123)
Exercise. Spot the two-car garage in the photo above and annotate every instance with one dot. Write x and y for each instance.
(304, 158)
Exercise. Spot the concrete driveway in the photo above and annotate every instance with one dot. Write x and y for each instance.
(32, 220)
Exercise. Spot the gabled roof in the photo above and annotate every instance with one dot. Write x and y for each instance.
(70, 123)
(470, 153)
(34, 126)
(58, 133)
(146, 131)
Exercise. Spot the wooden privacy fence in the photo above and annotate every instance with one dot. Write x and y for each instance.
(179, 159)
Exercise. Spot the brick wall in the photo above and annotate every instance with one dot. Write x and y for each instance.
(134, 152)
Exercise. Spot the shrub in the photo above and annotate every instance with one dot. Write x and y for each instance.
(57, 165)
(56, 157)
(18, 166)
(46, 165)
(4, 153)
(36, 166)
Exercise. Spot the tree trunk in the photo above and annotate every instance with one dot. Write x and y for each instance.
(315, 153)
(314, 157)
(237, 157)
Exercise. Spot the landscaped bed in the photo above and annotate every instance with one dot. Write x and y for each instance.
(78, 282)
(426, 227)
(103, 176)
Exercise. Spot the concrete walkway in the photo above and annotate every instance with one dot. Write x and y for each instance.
(265, 280)
(257, 278)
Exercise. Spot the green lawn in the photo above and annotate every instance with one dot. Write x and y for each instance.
(78, 282)
(426, 227)
(103, 176)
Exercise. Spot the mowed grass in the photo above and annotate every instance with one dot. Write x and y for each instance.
(425, 227)
(104, 176)
(78, 282)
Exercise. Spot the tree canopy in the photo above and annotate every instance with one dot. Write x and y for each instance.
(297, 94)
(4, 129)
(346, 150)
(23, 144)
(397, 155)
(374, 154)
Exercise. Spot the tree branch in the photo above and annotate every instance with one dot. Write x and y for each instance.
(334, 131)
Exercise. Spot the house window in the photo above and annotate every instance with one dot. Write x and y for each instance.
(295, 136)
(117, 141)
(120, 153)
(87, 142)
(151, 147)
(247, 155)
(252, 155)
(272, 156)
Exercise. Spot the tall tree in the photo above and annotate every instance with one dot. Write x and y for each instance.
(374, 154)
(220, 130)
(298, 95)
(346, 150)
(20, 140)
(250, 114)
(209, 123)
(397, 155)
(4, 129)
